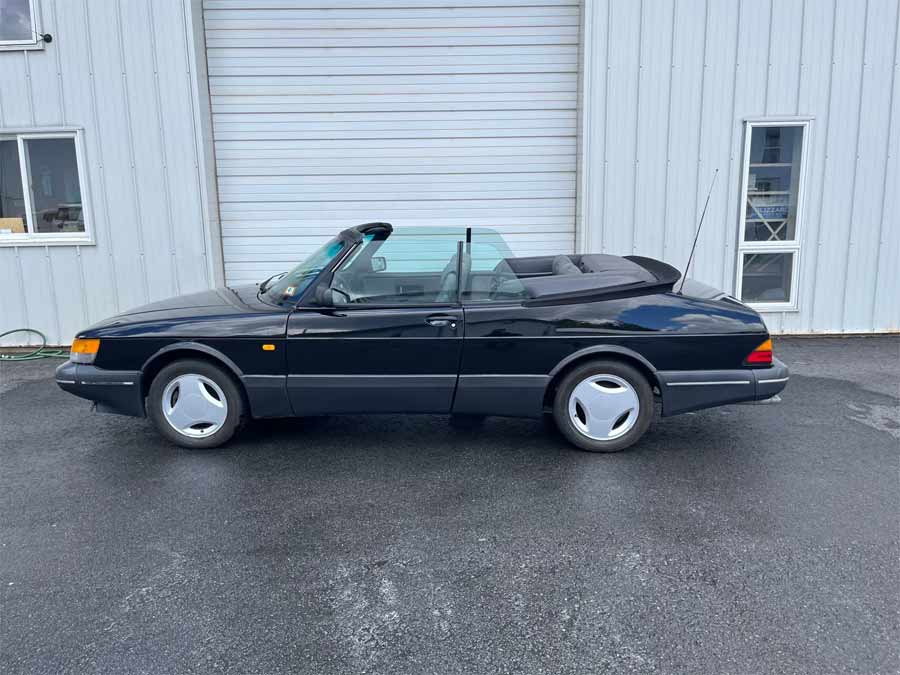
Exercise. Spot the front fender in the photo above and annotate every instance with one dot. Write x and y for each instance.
(195, 347)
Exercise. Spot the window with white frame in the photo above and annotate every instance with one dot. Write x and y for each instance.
(18, 23)
(41, 179)
(771, 213)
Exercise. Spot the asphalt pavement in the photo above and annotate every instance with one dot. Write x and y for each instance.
(745, 539)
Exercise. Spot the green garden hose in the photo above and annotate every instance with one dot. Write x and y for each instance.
(40, 353)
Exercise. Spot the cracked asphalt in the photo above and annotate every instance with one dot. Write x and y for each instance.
(744, 539)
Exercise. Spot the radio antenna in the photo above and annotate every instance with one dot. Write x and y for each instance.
(697, 235)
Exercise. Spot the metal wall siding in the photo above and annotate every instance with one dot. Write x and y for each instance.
(656, 126)
(872, 141)
(119, 70)
(330, 114)
(886, 308)
(841, 164)
(719, 142)
(815, 99)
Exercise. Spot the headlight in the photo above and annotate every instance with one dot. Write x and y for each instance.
(84, 350)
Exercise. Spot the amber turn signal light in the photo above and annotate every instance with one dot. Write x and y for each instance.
(268, 347)
(761, 356)
(84, 350)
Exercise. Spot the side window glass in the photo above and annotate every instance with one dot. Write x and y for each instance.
(401, 269)
(490, 278)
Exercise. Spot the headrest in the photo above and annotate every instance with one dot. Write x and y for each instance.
(562, 265)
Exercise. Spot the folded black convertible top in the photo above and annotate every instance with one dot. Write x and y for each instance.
(590, 277)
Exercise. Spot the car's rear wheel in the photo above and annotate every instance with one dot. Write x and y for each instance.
(603, 406)
(195, 404)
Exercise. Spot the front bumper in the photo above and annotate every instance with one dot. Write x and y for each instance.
(114, 391)
(686, 390)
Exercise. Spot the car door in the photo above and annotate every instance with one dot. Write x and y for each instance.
(388, 340)
(373, 360)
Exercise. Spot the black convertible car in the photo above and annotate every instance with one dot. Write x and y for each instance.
(431, 321)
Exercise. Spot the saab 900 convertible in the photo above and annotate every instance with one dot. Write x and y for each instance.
(432, 321)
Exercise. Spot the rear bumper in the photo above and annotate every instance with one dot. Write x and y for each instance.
(686, 390)
(114, 391)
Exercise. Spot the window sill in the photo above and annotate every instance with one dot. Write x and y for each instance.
(44, 240)
(25, 46)
(772, 307)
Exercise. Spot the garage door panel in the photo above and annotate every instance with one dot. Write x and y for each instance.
(380, 121)
(553, 58)
(395, 188)
(314, 134)
(286, 19)
(369, 4)
(287, 183)
(355, 53)
(470, 83)
(446, 66)
(435, 113)
(335, 103)
(398, 38)
(356, 118)
(391, 166)
(362, 211)
(343, 147)
(244, 230)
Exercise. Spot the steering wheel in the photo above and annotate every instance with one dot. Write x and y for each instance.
(340, 287)
(344, 293)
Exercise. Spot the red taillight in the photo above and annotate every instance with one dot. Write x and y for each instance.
(761, 356)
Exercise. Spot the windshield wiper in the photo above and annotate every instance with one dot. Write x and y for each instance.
(264, 286)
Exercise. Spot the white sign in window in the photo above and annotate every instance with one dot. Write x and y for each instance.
(41, 198)
(17, 22)
(770, 220)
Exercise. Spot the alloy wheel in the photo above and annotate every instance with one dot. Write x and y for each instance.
(604, 407)
(194, 405)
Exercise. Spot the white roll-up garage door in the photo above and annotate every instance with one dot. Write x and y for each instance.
(330, 113)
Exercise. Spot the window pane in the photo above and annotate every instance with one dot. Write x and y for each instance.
(415, 251)
(12, 202)
(767, 277)
(15, 21)
(412, 266)
(55, 191)
(491, 279)
(773, 181)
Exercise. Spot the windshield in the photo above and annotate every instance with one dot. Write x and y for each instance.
(289, 288)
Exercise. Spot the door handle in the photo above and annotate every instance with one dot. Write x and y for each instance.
(441, 320)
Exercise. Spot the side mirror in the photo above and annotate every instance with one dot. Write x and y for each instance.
(379, 264)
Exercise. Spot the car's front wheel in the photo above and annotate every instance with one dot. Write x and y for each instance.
(603, 406)
(195, 404)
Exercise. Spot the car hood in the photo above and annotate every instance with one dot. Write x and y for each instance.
(213, 297)
(218, 301)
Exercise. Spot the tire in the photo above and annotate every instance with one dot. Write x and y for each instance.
(217, 406)
(622, 406)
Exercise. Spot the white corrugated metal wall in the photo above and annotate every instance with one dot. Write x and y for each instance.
(667, 86)
(121, 71)
(329, 113)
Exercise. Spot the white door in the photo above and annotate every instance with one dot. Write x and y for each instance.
(332, 113)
